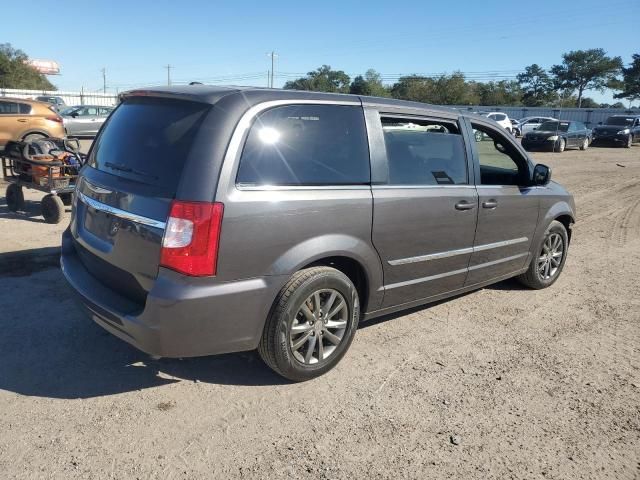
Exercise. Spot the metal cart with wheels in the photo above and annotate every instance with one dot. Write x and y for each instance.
(51, 172)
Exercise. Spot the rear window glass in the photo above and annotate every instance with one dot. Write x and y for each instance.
(306, 145)
(148, 140)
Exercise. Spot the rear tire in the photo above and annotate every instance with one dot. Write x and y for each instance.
(15, 197)
(298, 324)
(538, 276)
(52, 208)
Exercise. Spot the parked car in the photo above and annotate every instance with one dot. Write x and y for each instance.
(528, 124)
(623, 130)
(558, 135)
(501, 119)
(27, 120)
(84, 120)
(56, 102)
(211, 220)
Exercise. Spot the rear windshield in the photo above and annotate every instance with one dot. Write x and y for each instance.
(148, 140)
(554, 127)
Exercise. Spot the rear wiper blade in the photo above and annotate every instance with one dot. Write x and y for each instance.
(124, 168)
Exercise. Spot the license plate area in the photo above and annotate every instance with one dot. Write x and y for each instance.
(101, 224)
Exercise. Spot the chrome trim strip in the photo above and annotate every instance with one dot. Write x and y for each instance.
(120, 213)
(454, 272)
(496, 262)
(504, 243)
(418, 187)
(425, 279)
(453, 253)
(279, 188)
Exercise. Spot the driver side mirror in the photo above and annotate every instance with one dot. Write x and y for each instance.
(541, 175)
(74, 114)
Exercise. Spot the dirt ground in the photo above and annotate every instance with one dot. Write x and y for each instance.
(500, 383)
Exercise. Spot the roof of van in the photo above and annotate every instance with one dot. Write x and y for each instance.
(255, 95)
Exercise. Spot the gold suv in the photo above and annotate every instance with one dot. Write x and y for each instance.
(27, 120)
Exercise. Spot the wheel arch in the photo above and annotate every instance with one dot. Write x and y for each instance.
(351, 255)
(567, 220)
(32, 131)
(351, 268)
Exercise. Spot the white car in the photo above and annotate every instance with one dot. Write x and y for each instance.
(501, 119)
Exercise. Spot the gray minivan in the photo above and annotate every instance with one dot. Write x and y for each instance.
(211, 220)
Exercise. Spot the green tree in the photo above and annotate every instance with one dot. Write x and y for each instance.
(15, 73)
(370, 84)
(537, 86)
(630, 84)
(443, 90)
(586, 70)
(617, 105)
(411, 87)
(588, 102)
(503, 92)
(322, 80)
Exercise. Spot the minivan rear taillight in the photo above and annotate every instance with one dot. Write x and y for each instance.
(191, 237)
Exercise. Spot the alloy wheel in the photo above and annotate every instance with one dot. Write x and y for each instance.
(550, 257)
(319, 326)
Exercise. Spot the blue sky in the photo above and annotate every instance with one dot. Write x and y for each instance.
(227, 42)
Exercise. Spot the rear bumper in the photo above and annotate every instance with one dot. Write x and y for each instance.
(182, 316)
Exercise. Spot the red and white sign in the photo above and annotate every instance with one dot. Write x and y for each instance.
(46, 67)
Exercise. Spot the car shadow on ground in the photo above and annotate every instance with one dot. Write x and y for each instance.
(50, 348)
(30, 212)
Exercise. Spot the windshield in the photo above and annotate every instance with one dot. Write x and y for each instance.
(148, 140)
(625, 121)
(554, 127)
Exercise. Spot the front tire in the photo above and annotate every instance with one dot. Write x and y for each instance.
(629, 142)
(311, 324)
(561, 145)
(585, 144)
(549, 259)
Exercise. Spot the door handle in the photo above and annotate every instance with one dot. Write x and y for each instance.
(490, 204)
(464, 205)
(22, 120)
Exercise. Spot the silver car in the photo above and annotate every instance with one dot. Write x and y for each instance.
(529, 124)
(84, 120)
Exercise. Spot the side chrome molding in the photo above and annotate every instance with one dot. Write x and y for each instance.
(461, 251)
